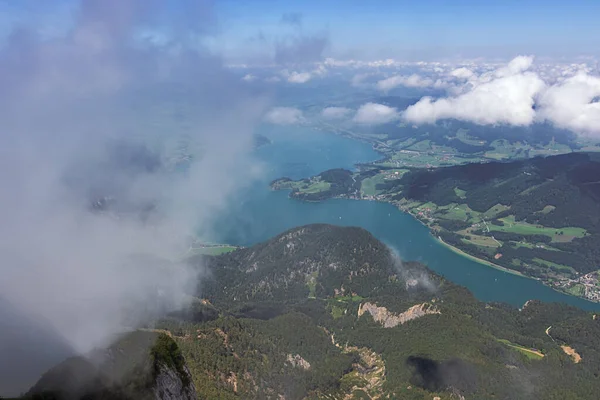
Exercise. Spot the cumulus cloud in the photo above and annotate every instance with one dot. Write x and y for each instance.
(335, 112)
(413, 81)
(506, 95)
(373, 113)
(95, 215)
(284, 116)
(249, 78)
(462, 73)
(299, 77)
(573, 104)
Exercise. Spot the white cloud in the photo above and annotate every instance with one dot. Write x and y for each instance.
(571, 105)
(506, 95)
(335, 112)
(413, 81)
(284, 116)
(373, 113)
(462, 73)
(249, 78)
(299, 77)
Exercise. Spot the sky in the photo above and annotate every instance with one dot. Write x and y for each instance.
(426, 29)
(366, 30)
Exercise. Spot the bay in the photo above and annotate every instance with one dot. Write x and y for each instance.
(259, 213)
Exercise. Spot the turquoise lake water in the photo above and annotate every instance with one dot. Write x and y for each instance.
(299, 152)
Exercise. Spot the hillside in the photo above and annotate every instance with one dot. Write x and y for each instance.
(328, 312)
(540, 217)
(139, 365)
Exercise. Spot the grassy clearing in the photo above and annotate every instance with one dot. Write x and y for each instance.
(576, 290)
(337, 311)
(528, 245)
(315, 187)
(350, 298)
(423, 145)
(463, 136)
(547, 209)
(484, 241)
(368, 185)
(459, 212)
(532, 354)
(545, 263)
(495, 210)
(524, 228)
(214, 250)
(461, 194)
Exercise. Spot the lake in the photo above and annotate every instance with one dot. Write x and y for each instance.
(299, 152)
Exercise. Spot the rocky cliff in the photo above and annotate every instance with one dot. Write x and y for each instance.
(390, 320)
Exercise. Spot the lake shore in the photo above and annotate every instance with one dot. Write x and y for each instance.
(481, 261)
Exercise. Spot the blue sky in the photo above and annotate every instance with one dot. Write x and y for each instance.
(375, 29)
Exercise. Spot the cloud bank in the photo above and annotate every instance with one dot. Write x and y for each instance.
(373, 113)
(335, 112)
(516, 94)
(96, 131)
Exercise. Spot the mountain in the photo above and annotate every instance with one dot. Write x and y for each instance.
(327, 312)
(140, 365)
(540, 216)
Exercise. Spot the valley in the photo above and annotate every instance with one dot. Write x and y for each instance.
(511, 216)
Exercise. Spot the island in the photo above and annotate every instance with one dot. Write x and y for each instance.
(536, 217)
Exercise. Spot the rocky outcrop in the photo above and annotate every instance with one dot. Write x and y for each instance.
(390, 320)
(571, 352)
(171, 385)
(298, 361)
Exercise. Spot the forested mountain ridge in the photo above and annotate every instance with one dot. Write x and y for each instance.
(327, 312)
(538, 216)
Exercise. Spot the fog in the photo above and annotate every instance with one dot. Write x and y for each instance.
(114, 150)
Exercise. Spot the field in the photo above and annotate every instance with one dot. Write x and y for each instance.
(460, 212)
(315, 187)
(554, 265)
(524, 228)
(368, 185)
(460, 193)
(532, 245)
(495, 210)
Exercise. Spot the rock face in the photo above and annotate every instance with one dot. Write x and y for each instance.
(169, 385)
(298, 361)
(390, 320)
(141, 365)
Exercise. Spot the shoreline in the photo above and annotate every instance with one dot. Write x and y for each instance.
(482, 261)
(455, 250)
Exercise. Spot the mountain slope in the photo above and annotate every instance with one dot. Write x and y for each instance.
(140, 365)
(328, 312)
